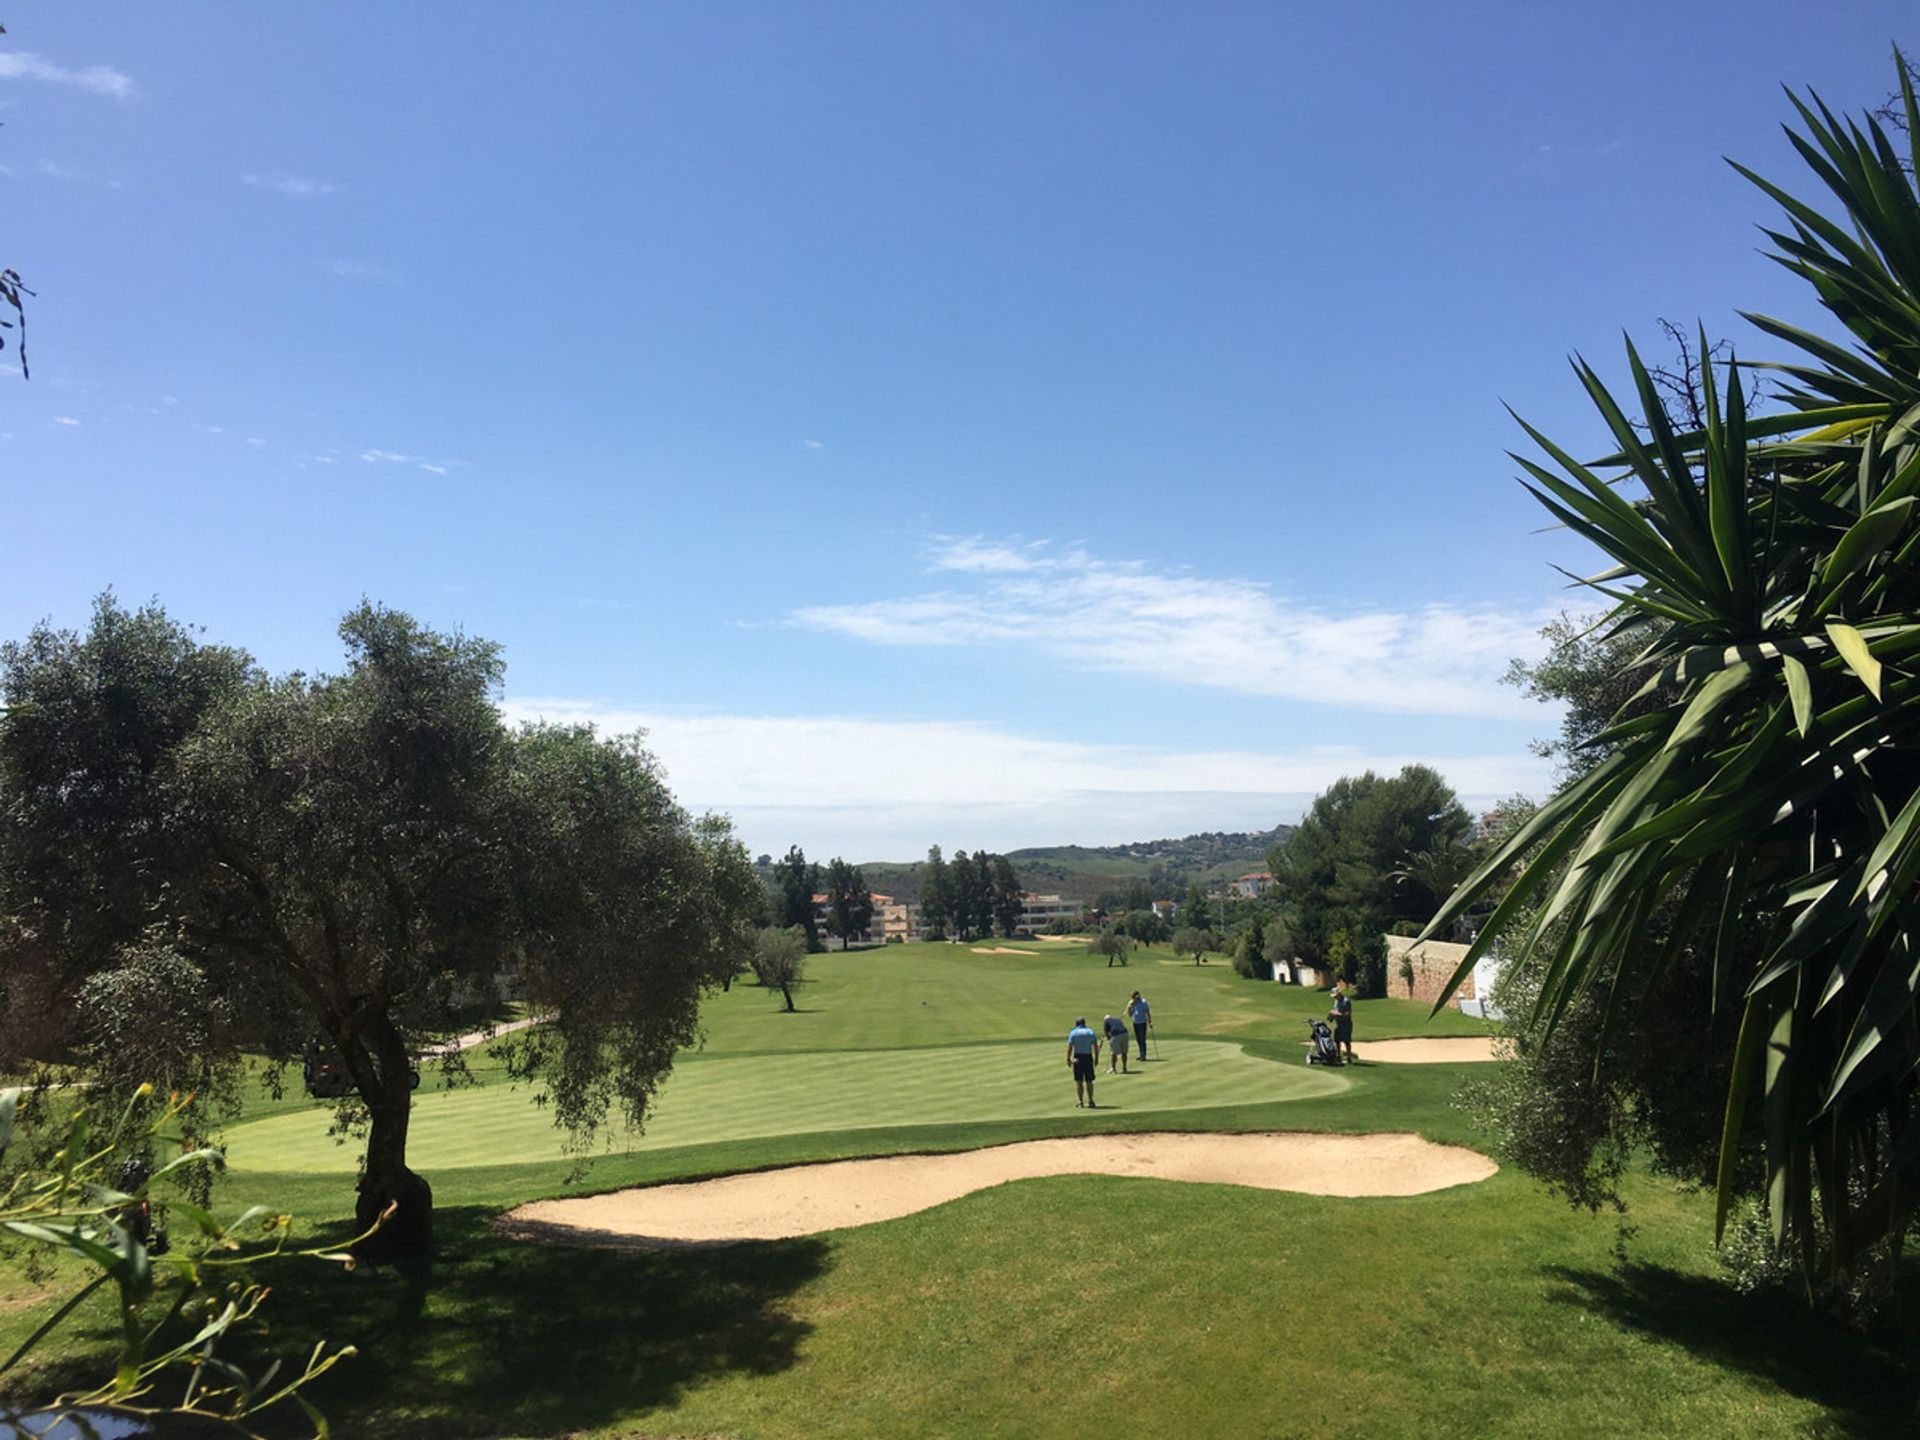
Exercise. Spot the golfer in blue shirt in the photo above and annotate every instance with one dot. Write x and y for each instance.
(1142, 1018)
(1082, 1046)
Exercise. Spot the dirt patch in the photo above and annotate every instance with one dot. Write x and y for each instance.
(1450, 1051)
(807, 1199)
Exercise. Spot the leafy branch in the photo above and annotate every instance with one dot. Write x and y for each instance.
(69, 1206)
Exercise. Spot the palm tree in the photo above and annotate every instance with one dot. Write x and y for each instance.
(1770, 807)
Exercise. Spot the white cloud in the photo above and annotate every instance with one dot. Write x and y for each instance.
(360, 270)
(300, 187)
(54, 170)
(1225, 633)
(95, 79)
(65, 420)
(876, 788)
(255, 440)
(813, 444)
(419, 462)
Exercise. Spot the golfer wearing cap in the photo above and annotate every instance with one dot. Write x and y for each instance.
(1082, 1046)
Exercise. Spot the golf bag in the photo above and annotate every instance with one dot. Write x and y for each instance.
(1324, 1051)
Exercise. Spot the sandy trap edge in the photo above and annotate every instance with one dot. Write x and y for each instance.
(1443, 1050)
(833, 1195)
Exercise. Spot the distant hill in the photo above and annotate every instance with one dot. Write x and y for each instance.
(1084, 872)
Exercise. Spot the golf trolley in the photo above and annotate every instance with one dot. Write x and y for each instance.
(1324, 1051)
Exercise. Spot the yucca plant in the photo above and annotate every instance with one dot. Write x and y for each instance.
(1767, 809)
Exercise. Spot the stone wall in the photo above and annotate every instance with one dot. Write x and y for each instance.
(1434, 962)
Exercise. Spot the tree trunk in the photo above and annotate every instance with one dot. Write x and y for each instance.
(787, 995)
(408, 1233)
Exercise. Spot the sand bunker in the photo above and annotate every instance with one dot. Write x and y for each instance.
(1451, 1051)
(1000, 950)
(806, 1199)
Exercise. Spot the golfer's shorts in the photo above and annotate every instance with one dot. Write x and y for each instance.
(1343, 1033)
(1083, 1068)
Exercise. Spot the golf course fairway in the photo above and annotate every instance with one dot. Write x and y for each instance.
(713, 1098)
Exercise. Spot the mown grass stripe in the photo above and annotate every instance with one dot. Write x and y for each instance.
(745, 1098)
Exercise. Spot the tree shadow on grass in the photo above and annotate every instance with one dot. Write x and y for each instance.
(1864, 1379)
(499, 1336)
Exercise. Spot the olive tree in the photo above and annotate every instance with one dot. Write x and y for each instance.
(780, 959)
(1110, 941)
(1192, 940)
(343, 859)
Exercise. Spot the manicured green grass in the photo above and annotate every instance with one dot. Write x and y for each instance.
(746, 1097)
(917, 995)
(1044, 1307)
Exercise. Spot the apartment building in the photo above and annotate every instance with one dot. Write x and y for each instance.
(1039, 911)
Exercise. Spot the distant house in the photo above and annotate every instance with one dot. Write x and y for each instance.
(1252, 885)
(899, 922)
(1164, 909)
(1037, 912)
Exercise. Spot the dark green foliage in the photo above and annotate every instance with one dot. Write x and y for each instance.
(936, 895)
(86, 845)
(151, 1019)
(1197, 911)
(1577, 1104)
(1146, 926)
(964, 895)
(849, 906)
(1350, 863)
(346, 857)
(1007, 901)
(1359, 958)
(980, 920)
(1250, 955)
(1132, 898)
(1770, 792)
(797, 883)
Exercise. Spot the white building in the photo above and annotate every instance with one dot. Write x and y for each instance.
(1039, 911)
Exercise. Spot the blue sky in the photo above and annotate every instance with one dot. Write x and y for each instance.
(985, 424)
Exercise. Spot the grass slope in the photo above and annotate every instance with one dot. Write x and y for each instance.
(1041, 1307)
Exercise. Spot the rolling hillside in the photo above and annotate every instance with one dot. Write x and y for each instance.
(1083, 872)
